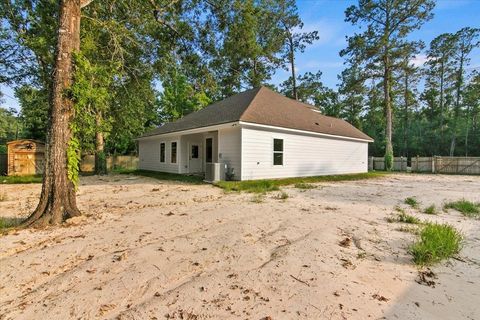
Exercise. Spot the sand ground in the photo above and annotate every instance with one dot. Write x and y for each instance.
(151, 249)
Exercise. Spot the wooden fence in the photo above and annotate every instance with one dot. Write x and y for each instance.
(3, 164)
(113, 162)
(378, 163)
(448, 165)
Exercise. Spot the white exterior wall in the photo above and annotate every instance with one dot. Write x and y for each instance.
(149, 154)
(304, 155)
(230, 149)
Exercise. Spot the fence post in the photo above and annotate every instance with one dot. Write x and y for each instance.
(370, 163)
(434, 160)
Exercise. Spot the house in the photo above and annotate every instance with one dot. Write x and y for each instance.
(257, 134)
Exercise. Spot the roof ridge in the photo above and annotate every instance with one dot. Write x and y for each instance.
(251, 101)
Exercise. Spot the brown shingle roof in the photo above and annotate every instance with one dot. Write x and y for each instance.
(263, 106)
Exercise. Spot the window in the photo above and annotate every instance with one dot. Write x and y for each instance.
(162, 152)
(209, 147)
(194, 152)
(173, 154)
(277, 152)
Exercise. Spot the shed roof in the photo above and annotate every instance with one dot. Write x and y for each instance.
(263, 106)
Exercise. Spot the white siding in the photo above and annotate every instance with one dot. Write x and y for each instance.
(230, 148)
(304, 155)
(149, 155)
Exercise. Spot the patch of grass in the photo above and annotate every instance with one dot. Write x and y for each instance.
(8, 222)
(262, 186)
(432, 209)
(437, 242)
(399, 209)
(406, 218)
(408, 229)
(302, 185)
(165, 176)
(467, 208)
(412, 202)
(282, 196)
(20, 179)
(258, 198)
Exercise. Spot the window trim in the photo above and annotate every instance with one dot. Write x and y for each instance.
(280, 152)
(164, 152)
(176, 152)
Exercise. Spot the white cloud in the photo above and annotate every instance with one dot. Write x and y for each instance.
(419, 60)
(328, 31)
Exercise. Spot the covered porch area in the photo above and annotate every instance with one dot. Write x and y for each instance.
(196, 150)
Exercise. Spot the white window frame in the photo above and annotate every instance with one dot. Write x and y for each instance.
(282, 152)
(165, 152)
(176, 155)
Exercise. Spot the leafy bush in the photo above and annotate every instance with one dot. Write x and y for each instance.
(282, 196)
(437, 242)
(412, 202)
(467, 208)
(432, 209)
(406, 218)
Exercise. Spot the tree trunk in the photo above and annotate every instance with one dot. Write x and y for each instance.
(388, 115)
(100, 160)
(292, 66)
(459, 84)
(57, 199)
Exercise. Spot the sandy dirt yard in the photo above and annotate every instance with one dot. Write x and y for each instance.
(151, 249)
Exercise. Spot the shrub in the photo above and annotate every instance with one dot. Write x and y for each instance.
(467, 208)
(7, 222)
(304, 186)
(412, 202)
(437, 242)
(406, 218)
(282, 196)
(430, 210)
(258, 198)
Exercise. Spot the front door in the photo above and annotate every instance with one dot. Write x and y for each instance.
(194, 162)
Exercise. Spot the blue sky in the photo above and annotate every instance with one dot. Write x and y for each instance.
(327, 17)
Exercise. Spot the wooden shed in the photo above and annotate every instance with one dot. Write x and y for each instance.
(25, 157)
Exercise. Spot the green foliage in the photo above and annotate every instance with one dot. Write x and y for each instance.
(21, 179)
(432, 209)
(179, 98)
(73, 161)
(282, 196)
(302, 185)
(467, 208)
(165, 176)
(258, 198)
(437, 242)
(389, 159)
(406, 218)
(10, 127)
(412, 202)
(263, 186)
(7, 222)
(34, 111)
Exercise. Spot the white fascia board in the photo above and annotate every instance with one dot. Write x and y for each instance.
(264, 126)
(191, 131)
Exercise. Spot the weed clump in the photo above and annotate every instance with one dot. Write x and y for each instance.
(437, 242)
